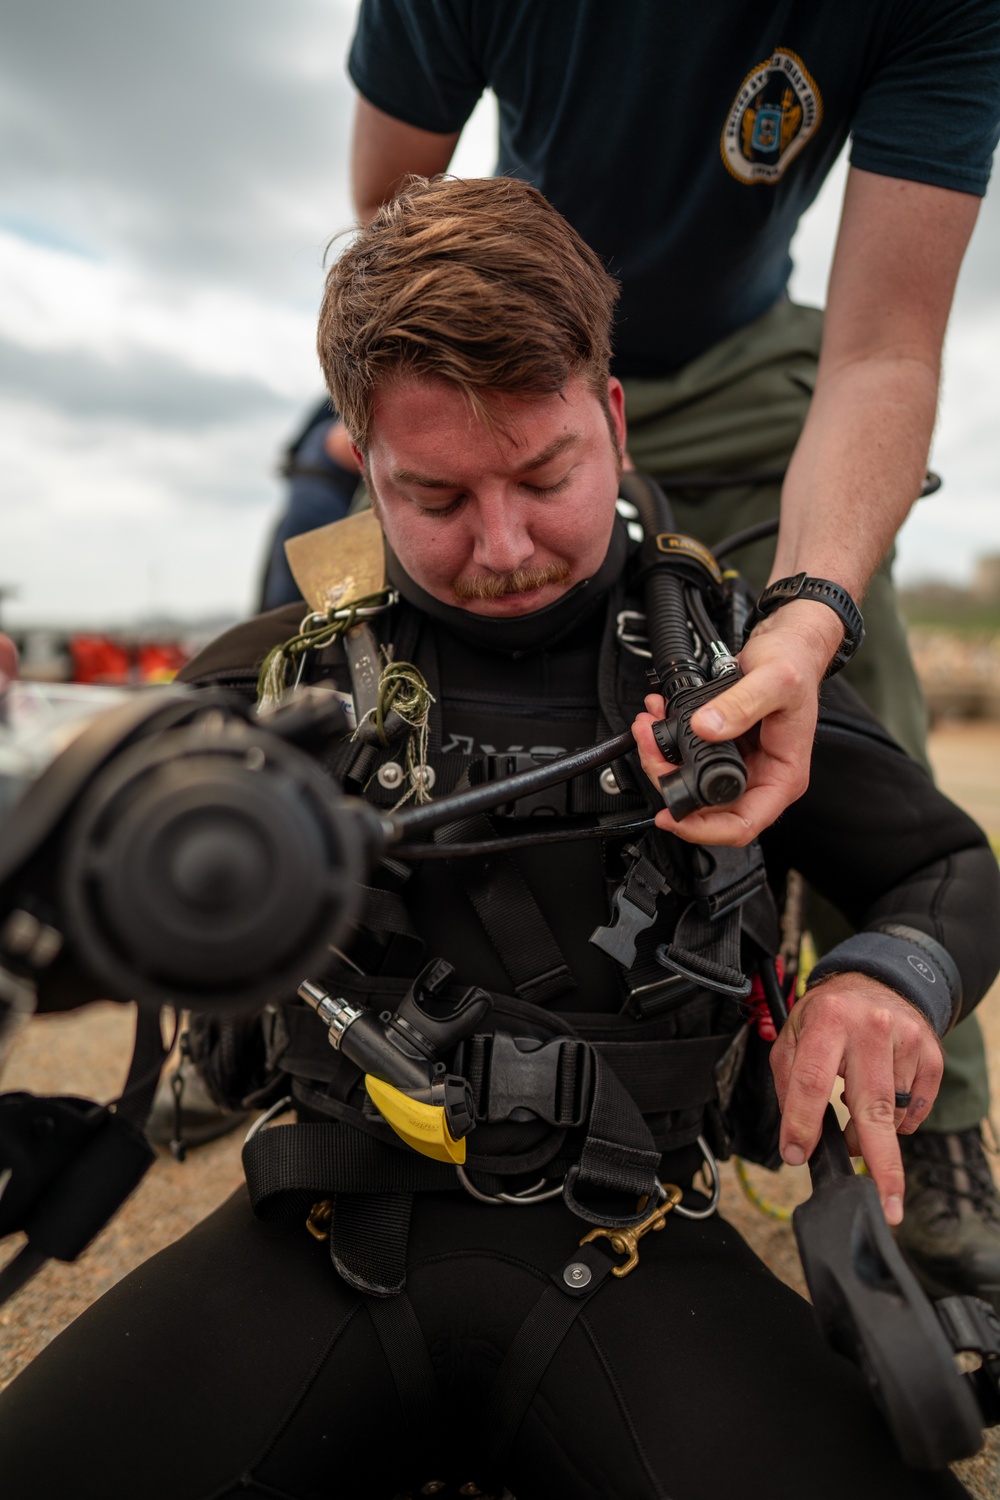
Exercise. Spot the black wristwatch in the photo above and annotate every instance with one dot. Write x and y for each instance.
(824, 592)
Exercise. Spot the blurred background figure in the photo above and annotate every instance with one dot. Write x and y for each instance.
(322, 477)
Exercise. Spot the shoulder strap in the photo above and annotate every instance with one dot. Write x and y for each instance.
(511, 917)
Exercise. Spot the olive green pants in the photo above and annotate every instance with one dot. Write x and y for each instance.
(738, 409)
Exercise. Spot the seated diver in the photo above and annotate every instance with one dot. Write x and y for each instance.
(441, 1327)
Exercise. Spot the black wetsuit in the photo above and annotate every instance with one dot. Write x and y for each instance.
(238, 1363)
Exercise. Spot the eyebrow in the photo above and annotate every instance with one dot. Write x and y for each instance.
(547, 456)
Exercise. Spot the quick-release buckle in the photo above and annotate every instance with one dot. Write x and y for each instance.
(527, 1078)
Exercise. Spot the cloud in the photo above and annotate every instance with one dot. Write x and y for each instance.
(169, 177)
(59, 301)
(154, 390)
(105, 518)
(947, 532)
(196, 140)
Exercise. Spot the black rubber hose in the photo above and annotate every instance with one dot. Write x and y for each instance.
(670, 640)
(417, 820)
(522, 840)
(773, 993)
(655, 511)
(667, 626)
(755, 533)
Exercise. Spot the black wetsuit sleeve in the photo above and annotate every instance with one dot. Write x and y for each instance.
(877, 839)
(234, 659)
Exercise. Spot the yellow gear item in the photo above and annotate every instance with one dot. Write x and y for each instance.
(422, 1126)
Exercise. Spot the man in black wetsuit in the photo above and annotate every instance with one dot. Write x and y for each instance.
(459, 1334)
(684, 143)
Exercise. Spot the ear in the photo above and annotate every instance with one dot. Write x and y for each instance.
(616, 406)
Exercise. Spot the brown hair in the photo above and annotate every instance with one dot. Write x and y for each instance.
(481, 283)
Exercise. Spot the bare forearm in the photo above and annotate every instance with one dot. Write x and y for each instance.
(384, 151)
(857, 469)
(863, 451)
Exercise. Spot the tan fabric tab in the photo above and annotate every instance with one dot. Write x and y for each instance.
(340, 563)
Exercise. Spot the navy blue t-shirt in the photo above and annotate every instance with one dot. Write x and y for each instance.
(684, 140)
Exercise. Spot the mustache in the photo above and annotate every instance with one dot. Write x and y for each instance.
(521, 581)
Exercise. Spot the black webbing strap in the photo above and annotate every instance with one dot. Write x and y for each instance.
(534, 1347)
(384, 911)
(510, 916)
(707, 950)
(619, 1154)
(148, 1056)
(73, 1163)
(667, 1075)
(289, 1166)
(409, 1361)
(660, 1076)
(644, 882)
(368, 1236)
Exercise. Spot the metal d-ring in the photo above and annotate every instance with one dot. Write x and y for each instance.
(315, 620)
(269, 1114)
(713, 1167)
(517, 1200)
(630, 632)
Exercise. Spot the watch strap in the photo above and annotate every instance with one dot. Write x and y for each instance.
(823, 591)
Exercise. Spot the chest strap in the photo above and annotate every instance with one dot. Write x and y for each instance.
(510, 916)
(552, 1079)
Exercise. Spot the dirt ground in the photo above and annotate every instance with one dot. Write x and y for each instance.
(87, 1053)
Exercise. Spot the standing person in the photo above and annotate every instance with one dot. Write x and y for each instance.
(684, 143)
(429, 1327)
(322, 478)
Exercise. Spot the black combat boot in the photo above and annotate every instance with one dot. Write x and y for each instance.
(950, 1232)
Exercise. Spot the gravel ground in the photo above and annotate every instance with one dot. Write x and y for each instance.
(87, 1053)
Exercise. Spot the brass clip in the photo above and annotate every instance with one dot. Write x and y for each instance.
(318, 1222)
(626, 1241)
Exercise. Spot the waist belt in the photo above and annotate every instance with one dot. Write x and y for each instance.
(553, 1079)
(509, 1074)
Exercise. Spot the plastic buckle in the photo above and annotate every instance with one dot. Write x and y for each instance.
(626, 1241)
(552, 802)
(528, 1075)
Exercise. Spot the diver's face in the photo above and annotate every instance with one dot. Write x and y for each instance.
(500, 519)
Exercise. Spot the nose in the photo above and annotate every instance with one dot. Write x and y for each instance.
(502, 543)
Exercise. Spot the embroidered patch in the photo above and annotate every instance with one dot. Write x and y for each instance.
(775, 114)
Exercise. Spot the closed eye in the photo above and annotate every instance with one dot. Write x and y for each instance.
(545, 489)
(440, 510)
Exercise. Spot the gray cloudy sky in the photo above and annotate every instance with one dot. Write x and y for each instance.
(169, 175)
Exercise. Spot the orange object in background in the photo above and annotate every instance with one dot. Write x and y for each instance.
(103, 659)
(99, 659)
(160, 661)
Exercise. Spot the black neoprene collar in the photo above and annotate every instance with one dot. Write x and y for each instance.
(522, 633)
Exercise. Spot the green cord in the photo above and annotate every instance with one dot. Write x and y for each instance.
(273, 679)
